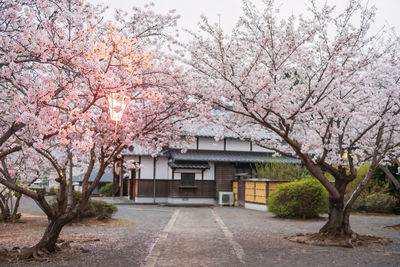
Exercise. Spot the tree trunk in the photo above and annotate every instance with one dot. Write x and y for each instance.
(5, 210)
(4, 213)
(15, 216)
(47, 243)
(338, 223)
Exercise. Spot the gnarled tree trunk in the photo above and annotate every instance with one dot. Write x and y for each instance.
(338, 223)
(48, 242)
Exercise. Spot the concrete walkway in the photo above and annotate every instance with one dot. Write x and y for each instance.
(195, 237)
(222, 236)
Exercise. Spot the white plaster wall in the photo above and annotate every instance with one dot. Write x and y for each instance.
(257, 148)
(131, 157)
(162, 169)
(209, 173)
(147, 171)
(197, 176)
(237, 145)
(208, 143)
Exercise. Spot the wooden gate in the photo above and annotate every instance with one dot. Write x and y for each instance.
(254, 190)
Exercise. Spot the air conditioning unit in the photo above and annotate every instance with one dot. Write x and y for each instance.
(226, 198)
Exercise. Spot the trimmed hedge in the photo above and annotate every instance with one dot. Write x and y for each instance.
(306, 198)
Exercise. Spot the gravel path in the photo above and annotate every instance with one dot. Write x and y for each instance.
(222, 236)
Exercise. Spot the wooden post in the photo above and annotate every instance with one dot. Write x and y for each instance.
(114, 181)
(121, 182)
(154, 179)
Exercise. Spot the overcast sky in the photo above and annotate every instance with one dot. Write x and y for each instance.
(229, 10)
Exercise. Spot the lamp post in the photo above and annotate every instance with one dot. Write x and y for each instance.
(117, 103)
(116, 106)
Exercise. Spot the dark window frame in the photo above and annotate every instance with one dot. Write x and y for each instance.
(188, 179)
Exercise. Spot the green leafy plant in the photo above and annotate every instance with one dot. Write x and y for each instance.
(379, 202)
(380, 196)
(106, 190)
(98, 209)
(306, 198)
(94, 208)
(279, 171)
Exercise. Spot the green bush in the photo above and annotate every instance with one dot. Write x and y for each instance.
(94, 208)
(106, 190)
(99, 209)
(306, 198)
(279, 171)
(377, 200)
(379, 196)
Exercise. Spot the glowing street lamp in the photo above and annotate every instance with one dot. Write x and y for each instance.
(116, 106)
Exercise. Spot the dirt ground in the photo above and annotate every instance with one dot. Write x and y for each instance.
(146, 235)
(27, 231)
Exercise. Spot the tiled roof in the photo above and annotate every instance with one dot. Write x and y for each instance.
(228, 156)
(189, 164)
(106, 178)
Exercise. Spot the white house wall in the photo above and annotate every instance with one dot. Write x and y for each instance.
(207, 143)
(257, 148)
(237, 145)
(132, 157)
(209, 173)
(147, 162)
(162, 168)
(147, 171)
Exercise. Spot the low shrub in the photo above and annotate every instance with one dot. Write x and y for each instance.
(379, 196)
(98, 209)
(306, 198)
(379, 202)
(106, 190)
(94, 208)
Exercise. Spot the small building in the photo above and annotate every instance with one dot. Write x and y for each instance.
(196, 176)
(105, 179)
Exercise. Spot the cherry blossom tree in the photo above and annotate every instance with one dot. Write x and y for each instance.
(18, 169)
(58, 62)
(323, 89)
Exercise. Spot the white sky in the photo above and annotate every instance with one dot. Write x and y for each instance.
(190, 10)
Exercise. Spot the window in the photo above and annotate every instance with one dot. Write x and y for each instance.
(187, 179)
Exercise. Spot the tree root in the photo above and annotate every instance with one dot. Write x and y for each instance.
(35, 253)
(397, 226)
(355, 240)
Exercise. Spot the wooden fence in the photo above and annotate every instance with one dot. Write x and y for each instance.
(256, 190)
